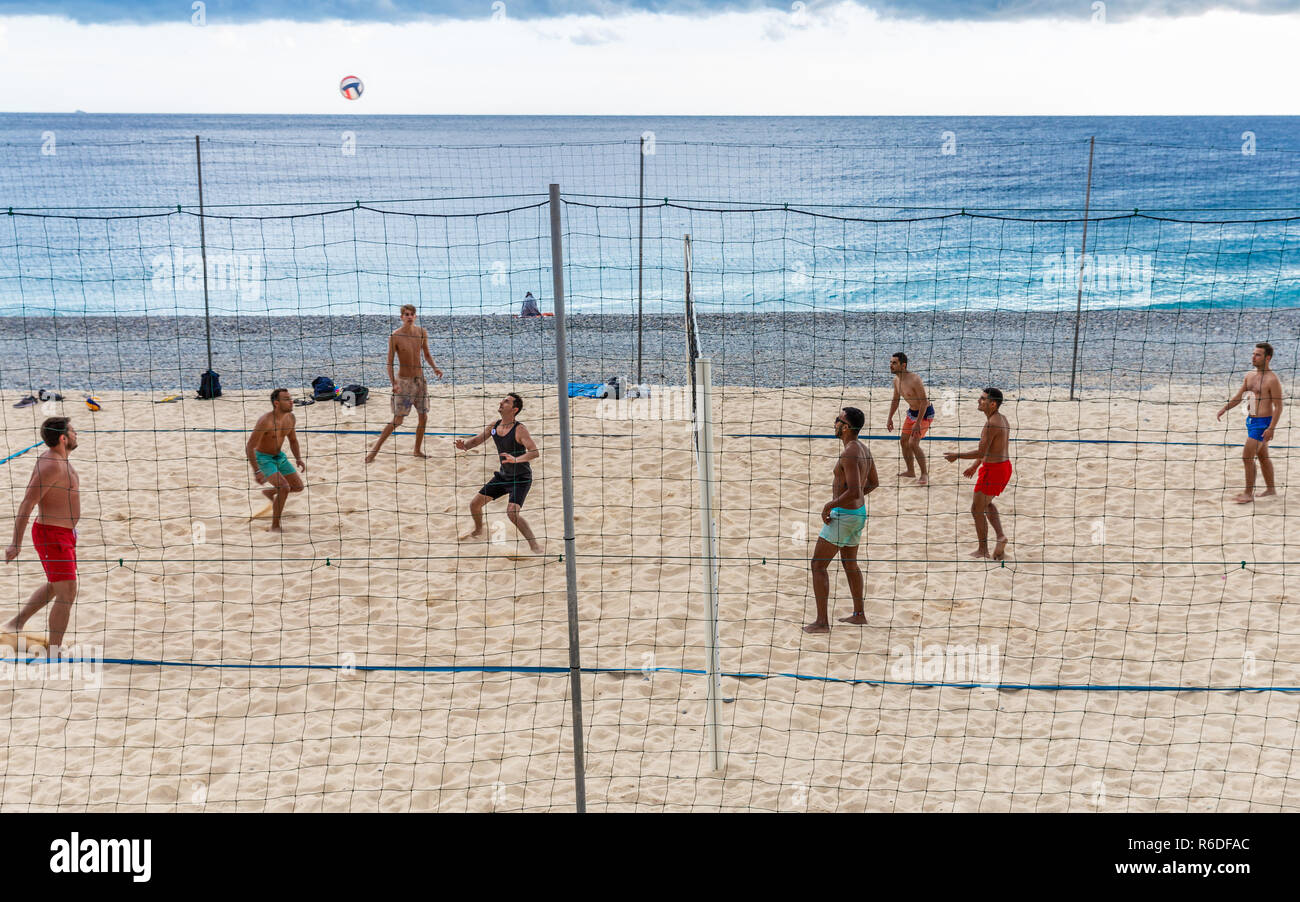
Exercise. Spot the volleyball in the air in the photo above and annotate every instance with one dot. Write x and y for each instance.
(351, 87)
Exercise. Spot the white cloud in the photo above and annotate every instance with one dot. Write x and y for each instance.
(838, 60)
(590, 37)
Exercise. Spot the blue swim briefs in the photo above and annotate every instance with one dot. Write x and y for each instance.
(1255, 427)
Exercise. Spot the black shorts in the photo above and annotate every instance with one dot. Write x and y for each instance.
(516, 486)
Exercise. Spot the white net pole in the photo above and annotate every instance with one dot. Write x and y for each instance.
(700, 370)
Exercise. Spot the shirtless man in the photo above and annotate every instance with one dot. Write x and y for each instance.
(920, 416)
(516, 448)
(54, 491)
(994, 466)
(1262, 422)
(268, 461)
(409, 342)
(844, 515)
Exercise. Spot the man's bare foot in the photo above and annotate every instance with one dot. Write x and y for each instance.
(11, 626)
(980, 552)
(923, 479)
(1244, 498)
(537, 549)
(1266, 493)
(907, 474)
(1000, 549)
(857, 617)
(370, 458)
(275, 527)
(269, 493)
(817, 626)
(418, 453)
(476, 535)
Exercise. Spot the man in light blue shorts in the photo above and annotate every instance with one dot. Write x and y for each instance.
(268, 460)
(845, 516)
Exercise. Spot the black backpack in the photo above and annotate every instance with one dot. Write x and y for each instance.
(210, 386)
(323, 389)
(353, 395)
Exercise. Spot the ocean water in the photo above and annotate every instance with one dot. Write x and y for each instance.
(345, 215)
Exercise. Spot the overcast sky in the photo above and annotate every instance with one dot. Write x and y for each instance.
(652, 57)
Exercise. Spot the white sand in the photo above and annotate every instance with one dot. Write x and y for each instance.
(1114, 578)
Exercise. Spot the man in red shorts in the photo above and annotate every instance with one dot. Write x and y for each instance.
(994, 473)
(53, 489)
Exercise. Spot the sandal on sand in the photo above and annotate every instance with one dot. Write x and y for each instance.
(27, 401)
(303, 402)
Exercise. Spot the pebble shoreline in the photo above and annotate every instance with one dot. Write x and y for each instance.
(1119, 350)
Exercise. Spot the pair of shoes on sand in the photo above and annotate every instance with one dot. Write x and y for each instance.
(42, 395)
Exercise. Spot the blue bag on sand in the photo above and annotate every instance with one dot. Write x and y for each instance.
(210, 386)
(586, 389)
(322, 388)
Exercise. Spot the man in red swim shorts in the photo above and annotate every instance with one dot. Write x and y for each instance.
(53, 489)
(994, 467)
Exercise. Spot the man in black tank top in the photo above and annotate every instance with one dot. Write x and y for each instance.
(516, 448)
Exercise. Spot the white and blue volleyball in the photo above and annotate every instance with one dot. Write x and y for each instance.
(351, 87)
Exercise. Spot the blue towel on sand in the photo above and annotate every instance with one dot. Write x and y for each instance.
(585, 389)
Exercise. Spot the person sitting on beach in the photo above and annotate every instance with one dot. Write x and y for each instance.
(409, 342)
(268, 461)
(920, 416)
(530, 305)
(54, 490)
(994, 464)
(1261, 424)
(516, 448)
(845, 515)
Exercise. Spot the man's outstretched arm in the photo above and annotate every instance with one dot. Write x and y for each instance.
(477, 440)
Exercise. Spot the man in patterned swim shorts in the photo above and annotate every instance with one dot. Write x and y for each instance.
(920, 416)
(408, 342)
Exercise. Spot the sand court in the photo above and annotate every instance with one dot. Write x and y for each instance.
(1124, 570)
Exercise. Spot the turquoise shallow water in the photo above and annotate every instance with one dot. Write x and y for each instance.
(340, 215)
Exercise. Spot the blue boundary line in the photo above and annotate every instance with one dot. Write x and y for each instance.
(959, 438)
(891, 437)
(246, 431)
(20, 453)
(315, 432)
(539, 670)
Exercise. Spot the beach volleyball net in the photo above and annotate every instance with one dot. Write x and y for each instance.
(1134, 651)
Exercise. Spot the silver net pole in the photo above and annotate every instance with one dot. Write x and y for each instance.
(203, 250)
(566, 471)
(709, 531)
(1083, 256)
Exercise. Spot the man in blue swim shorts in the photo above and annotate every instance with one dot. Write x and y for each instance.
(845, 515)
(1265, 410)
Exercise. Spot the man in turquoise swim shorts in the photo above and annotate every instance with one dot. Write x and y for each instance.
(845, 515)
(269, 463)
(1265, 412)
